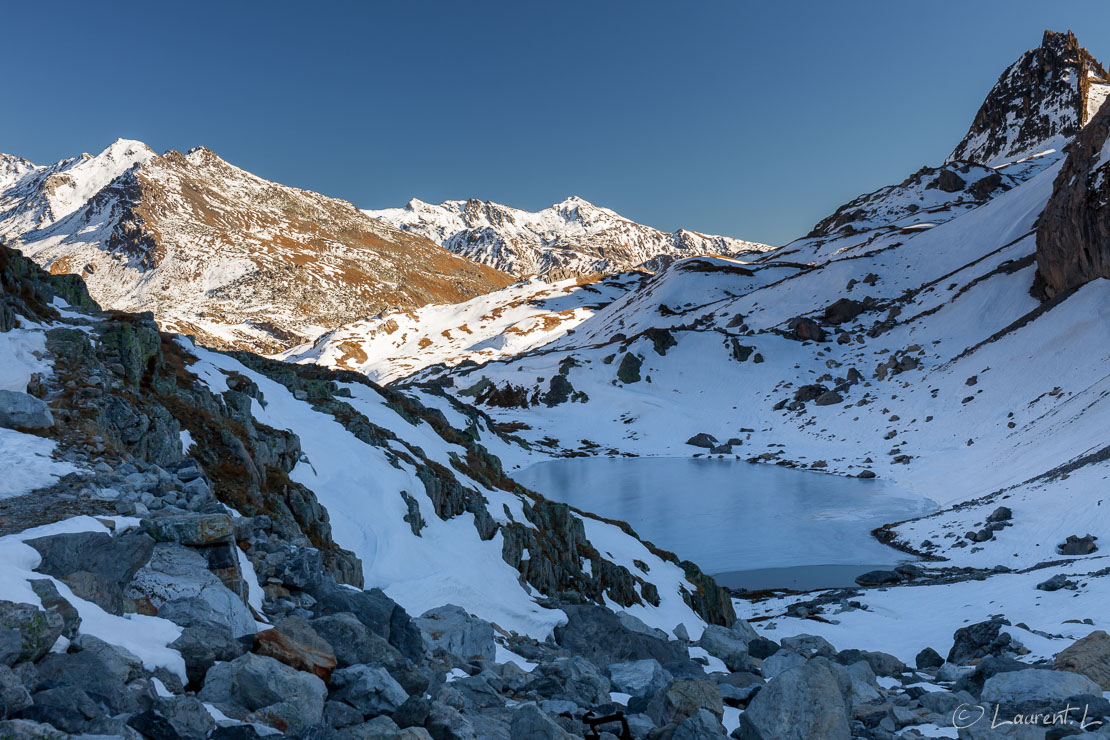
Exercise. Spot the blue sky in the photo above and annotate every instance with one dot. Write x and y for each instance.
(752, 119)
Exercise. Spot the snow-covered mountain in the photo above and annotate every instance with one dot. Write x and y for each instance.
(1039, 102)
(573, 237)
(219, 253)
(902, 338)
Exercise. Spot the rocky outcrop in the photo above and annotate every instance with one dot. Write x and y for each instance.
(1073, 234)
(1040, 101)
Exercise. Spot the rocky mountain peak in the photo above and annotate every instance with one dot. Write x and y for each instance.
(1039, 102)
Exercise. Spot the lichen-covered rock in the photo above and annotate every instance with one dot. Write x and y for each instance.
(27, 632)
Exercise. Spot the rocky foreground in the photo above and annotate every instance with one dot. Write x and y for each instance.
(168, 596)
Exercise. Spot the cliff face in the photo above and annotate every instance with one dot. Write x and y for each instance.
(1073, 234)
(1039, 102)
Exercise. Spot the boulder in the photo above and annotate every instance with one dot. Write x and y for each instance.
(883, 664)
(723, 643)
(828, 398)
(804, 328)
(809, 645)
(447, 723)
(53, 601)
(573, 679)
(295, 643)
(877, 577)
(27, 632)
(810, 392)
(369, 689)
(272, 693)
(203, 644)
(702, 439)
(529, 721)
(682, 699)
(1076, 545)
(88, 672)
(842, 310)
(187, 715)
(68, 708)
(451, 629)
(121, 662)
(191, 529)
(780, 662)
(1001, 514)
(978, 640)
(928, 658)
(95, 565)
(799, 704)
(1055, 583)
(22, 411)
(597, 634)
(702, 725)
(379, 613)
(1089, 656)
(1036, 684)
(178, 583)
(638, 677)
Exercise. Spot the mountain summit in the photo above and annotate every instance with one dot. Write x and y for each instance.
(217, 252)
(1040, 101)
(573, 237)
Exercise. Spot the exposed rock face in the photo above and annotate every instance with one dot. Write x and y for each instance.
(1040, 101)
(218, 253)
(1073, 234)
(569, 238)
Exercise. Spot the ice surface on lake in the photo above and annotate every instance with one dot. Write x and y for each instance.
(729, 515)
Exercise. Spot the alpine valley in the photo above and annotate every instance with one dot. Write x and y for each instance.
(259, 450)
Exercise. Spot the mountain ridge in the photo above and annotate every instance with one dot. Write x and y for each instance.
(571, 238)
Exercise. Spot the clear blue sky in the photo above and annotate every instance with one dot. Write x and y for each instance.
(751, 119)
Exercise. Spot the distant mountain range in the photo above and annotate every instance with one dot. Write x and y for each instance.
(573, 237)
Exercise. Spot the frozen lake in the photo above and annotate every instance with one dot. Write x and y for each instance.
(751, 526)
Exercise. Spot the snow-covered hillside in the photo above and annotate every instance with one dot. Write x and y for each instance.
(573, 237)
(899, 339)
(219, 253)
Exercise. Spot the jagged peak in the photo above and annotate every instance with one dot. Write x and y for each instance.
(1039, 102)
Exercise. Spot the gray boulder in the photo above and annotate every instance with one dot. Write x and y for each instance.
(532, 723)
(978, 640)
(89, 673)
(883, 664)
(95, 565)
(702, 439)
(21, 411)
(597, 634)
(369, 689)
(682, 699)
(780, 662)
(27, 632)
(809, 645)
(379, 613)
(802, 703)
(177, 581)
(745, 631)
(272, 693)
(447, 723)
(203, 644)
(187, 715)
(702, 725)
(726, 644)
(570, 679)
(451, 629)
(191, 529)
(123, 664)
(1037, 684)
(638, 677)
